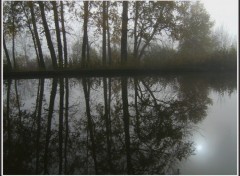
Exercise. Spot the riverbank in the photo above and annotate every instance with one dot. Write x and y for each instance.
(108, 72)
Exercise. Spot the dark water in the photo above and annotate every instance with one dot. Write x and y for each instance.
(171, 124)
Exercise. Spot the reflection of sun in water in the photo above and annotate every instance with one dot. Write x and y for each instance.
(199, 147)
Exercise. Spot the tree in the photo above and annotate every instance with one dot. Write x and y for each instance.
(151, 19)
(64, 36)
(104, 16)
(108, 35)
(135, 51)
(7, 55)
(48, 36)
(221, 39)
(39, 48)
(85, 35)
(195, 31)
(124, 32)
(12, 17)
(59, 42)
(13, 33)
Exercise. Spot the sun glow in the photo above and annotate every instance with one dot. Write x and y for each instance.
(199, 147)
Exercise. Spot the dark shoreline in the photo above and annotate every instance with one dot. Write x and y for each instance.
(105, 73)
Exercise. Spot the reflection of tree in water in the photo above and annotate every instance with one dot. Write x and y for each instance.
(115, 126)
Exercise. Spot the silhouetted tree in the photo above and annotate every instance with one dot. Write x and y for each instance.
(7, 55)
(48, 36)
(39, 47)
(104, 17)
(58, 35)
(64, 36)
(124, 32)
(85, 34)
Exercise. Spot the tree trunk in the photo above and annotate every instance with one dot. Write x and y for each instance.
(13, 36)
(104, 34)
(124, 33)
(48, 36)
(58, 35)
(64, 36)
(41, 60)
(88, 52)
(7, 55)
(85, 37)
(32, 33)
(135, 52)
(108, 34)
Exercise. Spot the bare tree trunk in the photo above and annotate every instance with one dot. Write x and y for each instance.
(41, 60)
(32, 33)
(64, 36)
(7, 55)
(13, 36)
(124, 32)
(88, 52)
(48, 36)
(135, 53)
(104, 34)
(85, 37)
(108, 34)
(13, 50)
(58, 35)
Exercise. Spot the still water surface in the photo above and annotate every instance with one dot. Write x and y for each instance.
(171, 124)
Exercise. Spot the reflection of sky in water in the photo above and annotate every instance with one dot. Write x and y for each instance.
(215, 140)
(215, 137)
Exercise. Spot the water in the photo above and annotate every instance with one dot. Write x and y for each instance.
(169, 124)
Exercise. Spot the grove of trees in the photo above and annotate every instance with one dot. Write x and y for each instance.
(68, 34)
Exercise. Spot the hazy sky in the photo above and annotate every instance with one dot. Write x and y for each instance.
(216, 139)
(224, 12)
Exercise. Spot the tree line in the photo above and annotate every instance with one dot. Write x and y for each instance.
(122, 32)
